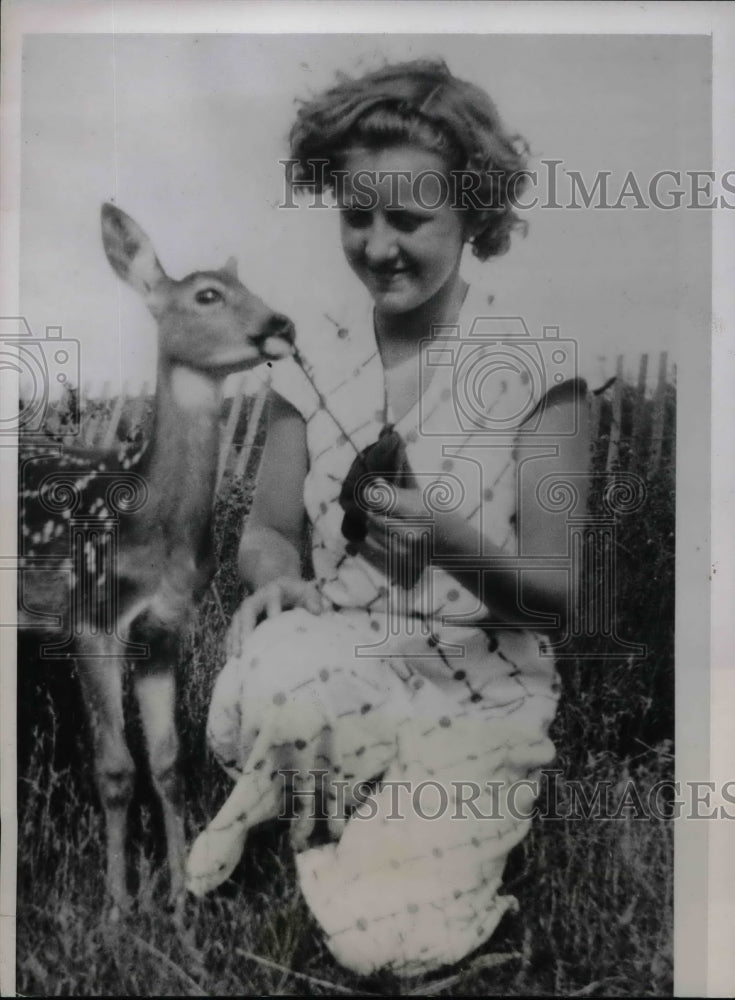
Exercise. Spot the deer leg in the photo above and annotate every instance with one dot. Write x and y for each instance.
(155, 690)
(102, 688)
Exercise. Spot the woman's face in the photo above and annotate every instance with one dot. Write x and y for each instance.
(405, 244)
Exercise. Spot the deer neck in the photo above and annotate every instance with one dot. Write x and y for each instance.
(181, 466)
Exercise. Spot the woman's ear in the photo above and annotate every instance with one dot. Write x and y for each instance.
(475, 222)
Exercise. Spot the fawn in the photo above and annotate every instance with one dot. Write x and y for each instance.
(122, 588)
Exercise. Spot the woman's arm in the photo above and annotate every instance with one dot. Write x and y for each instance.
(542, 533)
(269, 557)
(271, 543)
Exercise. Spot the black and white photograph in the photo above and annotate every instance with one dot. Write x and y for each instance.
(365, 415)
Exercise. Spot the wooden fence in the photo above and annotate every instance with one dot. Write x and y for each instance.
(633, 423)
(103, 421)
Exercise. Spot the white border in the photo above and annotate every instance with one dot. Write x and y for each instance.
(716, 977)
(721, 894)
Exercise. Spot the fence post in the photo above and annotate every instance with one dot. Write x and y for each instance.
(109, 437)
(595, 413)
(613, 449)
(83, 414)
(256, 413)
(74, 402)
(229, 432)
(137, 408)
(636, 435)
(657, 430)
(95, 419)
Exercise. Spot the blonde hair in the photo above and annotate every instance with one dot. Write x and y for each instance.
(418, 103)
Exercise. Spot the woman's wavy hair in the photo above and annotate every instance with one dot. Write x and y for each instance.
(418, 103)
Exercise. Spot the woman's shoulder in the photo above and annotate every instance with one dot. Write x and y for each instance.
(546, 366)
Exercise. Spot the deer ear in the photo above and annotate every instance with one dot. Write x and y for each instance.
(129, 251)
(231, 266)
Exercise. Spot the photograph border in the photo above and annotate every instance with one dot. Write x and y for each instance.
(705, 630)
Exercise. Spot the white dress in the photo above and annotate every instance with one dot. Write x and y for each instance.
(453, 717)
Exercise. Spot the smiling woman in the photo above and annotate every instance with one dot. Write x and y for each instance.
(414, 657)
(405, 254)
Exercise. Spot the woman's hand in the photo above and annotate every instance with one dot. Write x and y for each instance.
(270, 600)
(398, 552)
(406, 501)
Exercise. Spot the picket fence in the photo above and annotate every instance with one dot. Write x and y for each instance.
(632, 424)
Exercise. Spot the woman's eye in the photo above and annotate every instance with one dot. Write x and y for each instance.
(405, 221)
(356, 218)
(208, 296)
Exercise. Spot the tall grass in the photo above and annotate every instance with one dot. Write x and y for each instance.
(596, 895)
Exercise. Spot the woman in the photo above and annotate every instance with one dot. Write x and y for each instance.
(413, 656)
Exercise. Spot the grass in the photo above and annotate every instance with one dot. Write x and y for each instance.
(596, 895)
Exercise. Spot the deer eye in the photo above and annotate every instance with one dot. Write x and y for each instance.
(208, 296)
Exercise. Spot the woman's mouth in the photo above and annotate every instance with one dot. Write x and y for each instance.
(385, 276)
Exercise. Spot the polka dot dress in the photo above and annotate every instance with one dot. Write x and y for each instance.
(393, 684)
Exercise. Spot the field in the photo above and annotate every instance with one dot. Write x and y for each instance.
(596, 894)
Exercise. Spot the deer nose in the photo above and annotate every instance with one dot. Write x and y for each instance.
(277, 326)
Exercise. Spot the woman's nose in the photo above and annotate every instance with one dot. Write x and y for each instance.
(381, 245)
